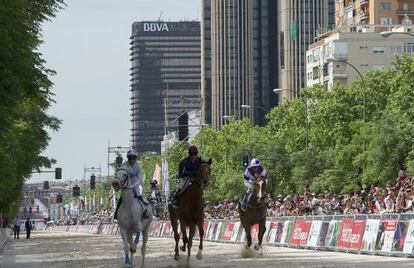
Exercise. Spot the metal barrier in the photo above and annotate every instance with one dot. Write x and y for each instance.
(386, 234)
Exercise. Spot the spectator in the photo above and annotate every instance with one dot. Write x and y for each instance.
(16, 227)
(28, 226)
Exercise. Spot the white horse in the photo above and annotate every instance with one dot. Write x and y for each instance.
(130, 218)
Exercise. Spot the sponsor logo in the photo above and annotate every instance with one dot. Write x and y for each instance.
(155, 27)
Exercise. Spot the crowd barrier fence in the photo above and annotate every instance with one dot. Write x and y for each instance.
(387, 234)
(4, 236)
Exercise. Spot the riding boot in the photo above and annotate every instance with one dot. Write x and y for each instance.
(117, 208)
(145, 212)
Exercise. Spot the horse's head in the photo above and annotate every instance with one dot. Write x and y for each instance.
(204, 174)
(259, 188)
(121, 179)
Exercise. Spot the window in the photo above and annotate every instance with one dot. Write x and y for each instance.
(385, 21)
(378, 50)
(385, 6)
(396, 50)
(409, 48)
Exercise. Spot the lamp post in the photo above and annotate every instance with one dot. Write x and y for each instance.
(363, 83)
(278, 91)
(226, 117)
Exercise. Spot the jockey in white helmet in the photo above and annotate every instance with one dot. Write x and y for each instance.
(254, 171)
(135, 175)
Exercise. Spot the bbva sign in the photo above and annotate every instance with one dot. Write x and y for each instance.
(155, 27)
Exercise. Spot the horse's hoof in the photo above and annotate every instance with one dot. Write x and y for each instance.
(177, 257)
(246, 247)
(182, 248)
(257, 247)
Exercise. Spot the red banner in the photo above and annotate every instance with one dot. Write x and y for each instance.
(344, 239)
(167, 229)
(300, 232)
(351, 234)
(156, 229)
(228, 231)
(357, 233)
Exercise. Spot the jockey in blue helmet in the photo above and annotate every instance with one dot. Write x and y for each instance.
(186, 172)
(253, 172)
(135, 175)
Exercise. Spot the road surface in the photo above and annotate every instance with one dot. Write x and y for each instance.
(61, 249)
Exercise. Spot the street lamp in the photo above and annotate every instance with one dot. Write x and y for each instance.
(280, 90)
(226, 117)
(386, 34)
(362, 79)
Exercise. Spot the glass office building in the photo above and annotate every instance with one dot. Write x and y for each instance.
(165, 78)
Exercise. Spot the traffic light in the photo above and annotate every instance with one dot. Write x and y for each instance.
(59, 198)
(93, 181)
(183, 127)
(46, 185)
(245, 160)
(119, 160)
(58, 173)
(76, 191)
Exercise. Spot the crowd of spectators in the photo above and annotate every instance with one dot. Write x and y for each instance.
(86, 218)
(398, 198)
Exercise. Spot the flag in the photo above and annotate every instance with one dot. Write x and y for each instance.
(166, 178)
(157, 174)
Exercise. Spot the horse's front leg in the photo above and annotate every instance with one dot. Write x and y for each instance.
(190, 240)
(184, 233)
(247, 230)
(262, 230)
(124, 236)
(200, 247)
(144, 244)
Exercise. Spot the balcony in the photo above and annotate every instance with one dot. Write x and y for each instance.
(363, 15)
(402, 12)
(363, 2)
(349, 7)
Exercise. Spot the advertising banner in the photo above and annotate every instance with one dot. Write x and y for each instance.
(370, 234)
(288, 226)
(300, 232)
(211, 230)
(236, 229)
(314, 233)
(409, 239)
(334, 230)
(273, 231)
(268, 222)
(344, 239)
(167, 230)
(357, 233)
(255, 232)
(387, 237)
(219, 230)
(228, 231)
(400, 235)
(323, 233)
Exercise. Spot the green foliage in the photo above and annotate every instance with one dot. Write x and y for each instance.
(25, 95)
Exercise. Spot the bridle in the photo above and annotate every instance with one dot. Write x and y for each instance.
(125, 184)
(202, 174)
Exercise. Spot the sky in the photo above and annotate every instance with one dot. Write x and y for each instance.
(87, 44)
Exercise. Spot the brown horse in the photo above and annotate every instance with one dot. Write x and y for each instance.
(255, 214)
(191, 212)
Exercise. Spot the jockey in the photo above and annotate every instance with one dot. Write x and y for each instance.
(253, 172)
(135, 175)
(186, 172)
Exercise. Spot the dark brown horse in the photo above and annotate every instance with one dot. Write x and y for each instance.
(255, 214)
(190, 212)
